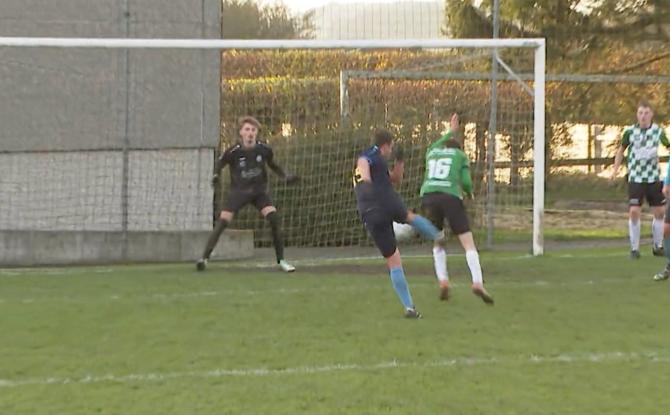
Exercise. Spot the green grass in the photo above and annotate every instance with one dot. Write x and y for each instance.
(584, 187)
(564, 187)
(503, 236)
(571, 333)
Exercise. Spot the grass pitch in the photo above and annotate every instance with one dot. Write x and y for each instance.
(583, 332)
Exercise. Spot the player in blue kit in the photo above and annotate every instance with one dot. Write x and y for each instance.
(379, 205)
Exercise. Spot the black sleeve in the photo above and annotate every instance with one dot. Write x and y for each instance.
(223, 160)
(269, 158)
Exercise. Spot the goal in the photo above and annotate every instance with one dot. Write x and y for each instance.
(97, 147)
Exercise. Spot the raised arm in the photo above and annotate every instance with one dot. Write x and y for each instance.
(454, 124)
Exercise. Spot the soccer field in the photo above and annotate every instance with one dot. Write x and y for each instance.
(571, 333)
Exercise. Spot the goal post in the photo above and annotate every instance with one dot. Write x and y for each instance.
(537, 46)
(539, 149)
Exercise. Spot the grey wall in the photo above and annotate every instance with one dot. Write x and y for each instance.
(168, 190)
(66, 114)
(65, 99)
(29, 248)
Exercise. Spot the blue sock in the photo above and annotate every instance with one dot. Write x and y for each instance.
(400, 286)
(666, 245)
(424, 227)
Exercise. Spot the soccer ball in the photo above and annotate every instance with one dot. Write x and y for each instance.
(403, 231)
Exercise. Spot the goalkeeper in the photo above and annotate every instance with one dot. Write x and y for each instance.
(248, 179)
(446, 180)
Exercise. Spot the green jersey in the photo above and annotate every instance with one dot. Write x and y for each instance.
(447, 170)
(642, 144)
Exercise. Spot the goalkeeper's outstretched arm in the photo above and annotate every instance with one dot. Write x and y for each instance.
(279, 171)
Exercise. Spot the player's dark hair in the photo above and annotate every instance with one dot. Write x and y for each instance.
(453, 143)
(382, 136)
(644, 104)
(247, 119)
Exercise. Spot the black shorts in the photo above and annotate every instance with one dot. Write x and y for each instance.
(441, 206)
(652, 192)
(237, 199)
(378, 221)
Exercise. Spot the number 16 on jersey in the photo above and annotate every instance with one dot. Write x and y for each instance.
(439, 168)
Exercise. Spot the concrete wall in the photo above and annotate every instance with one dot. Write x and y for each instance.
(66, 189)
(73, 99)
(167, 190)
(31, 248)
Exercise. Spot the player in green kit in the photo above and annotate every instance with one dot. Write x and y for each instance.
(446, 181)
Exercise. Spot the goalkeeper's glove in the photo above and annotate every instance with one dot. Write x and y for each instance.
(215, 180)
(292, 178)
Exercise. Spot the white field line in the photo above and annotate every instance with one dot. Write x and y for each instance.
(576, 358)
(291, 291)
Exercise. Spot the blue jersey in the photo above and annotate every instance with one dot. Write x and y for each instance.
(379, 169)
(383, 196)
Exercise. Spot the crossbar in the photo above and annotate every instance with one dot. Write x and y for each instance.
(64, 42)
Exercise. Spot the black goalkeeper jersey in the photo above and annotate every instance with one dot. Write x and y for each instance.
(247, 167)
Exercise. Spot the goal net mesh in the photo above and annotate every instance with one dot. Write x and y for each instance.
(118, 139)
(319, 108)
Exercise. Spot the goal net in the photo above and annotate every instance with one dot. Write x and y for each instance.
(121, 134)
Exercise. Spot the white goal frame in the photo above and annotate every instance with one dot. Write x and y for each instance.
(537, 44)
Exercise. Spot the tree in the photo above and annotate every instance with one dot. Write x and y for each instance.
(583, 36)
(246, 19)
(579, 33)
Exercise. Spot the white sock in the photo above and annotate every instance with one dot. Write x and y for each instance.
(657, 232)
(440, 259)
(472, 257)
(634, 234)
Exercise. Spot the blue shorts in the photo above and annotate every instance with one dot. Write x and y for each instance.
(378, 221)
